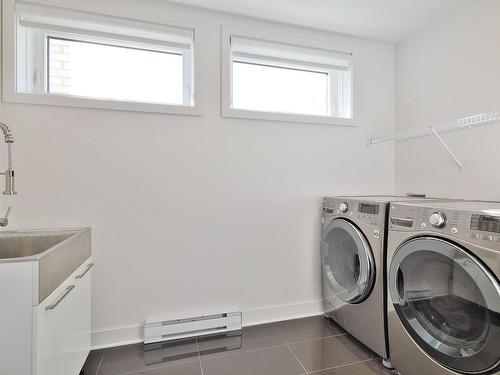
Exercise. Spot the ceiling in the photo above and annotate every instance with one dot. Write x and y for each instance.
(387, 20)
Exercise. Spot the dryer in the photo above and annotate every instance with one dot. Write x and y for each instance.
(353, 266)
(444, 290)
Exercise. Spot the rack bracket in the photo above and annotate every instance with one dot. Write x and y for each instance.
(448, 149)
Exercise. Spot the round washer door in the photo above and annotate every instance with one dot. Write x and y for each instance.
(448, 302)
(347, 261)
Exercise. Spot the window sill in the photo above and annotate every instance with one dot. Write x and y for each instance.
(103, 104)
(287, 117)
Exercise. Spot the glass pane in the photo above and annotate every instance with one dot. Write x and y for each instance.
(343, 258)
(278, 89)
(441, 293)
(111, 72)
(347, 262)
(445, 300)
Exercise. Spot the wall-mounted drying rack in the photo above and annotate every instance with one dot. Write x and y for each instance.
(460, 124)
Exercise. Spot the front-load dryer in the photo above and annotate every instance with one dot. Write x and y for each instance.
(444, 291)
(353, 266)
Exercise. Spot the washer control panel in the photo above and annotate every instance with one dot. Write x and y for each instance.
(457, 223)
(371, 213)
(423, 218)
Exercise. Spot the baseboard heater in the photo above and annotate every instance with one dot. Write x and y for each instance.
(168, 330)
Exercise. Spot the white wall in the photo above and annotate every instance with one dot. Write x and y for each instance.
(193, 215)
(449, 71)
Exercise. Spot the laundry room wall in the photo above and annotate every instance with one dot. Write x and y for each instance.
(448, 71)
(197, 215)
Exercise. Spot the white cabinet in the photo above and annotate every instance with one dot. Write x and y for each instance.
(16, 301)
(61, 326)
(45, 290)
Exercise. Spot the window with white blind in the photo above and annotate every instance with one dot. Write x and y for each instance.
(74, 58)
(281, 79)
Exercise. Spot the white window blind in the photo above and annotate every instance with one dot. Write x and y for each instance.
(64, 20)
(322, 59)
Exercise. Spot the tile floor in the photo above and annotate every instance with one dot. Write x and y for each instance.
(304, 346)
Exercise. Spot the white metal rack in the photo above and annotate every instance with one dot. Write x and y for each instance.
(459, 124)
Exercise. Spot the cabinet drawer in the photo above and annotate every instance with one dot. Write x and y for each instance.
(61, 326)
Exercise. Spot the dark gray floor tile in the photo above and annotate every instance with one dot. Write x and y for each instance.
(87, 370)
(93, 362)
(271, 361)
(94, 358)
(330, 352)
(306, 324)
(189, 368)
(170, 352)
(250, 338)
(311, 329)
(135, 358)
(372, 367)
(318, 343)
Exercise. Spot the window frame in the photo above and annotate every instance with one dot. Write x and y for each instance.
(10, 58)
(43, 63)
(227, 77)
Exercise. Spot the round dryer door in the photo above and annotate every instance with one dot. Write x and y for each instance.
(448, 302)
(347, 261)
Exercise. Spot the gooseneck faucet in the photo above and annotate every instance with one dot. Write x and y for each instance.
(9, 173)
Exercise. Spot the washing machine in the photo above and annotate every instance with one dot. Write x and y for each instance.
(353, 262)
(443, 283)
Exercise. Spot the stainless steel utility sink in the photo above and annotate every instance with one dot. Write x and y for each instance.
(56, 254)
(22, 244)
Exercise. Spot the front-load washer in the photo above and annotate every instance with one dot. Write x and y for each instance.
(444, 291)
(353, 266)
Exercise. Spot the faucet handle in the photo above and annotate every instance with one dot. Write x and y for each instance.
(5, 220)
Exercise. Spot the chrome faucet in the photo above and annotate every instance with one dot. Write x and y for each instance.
(9, 173)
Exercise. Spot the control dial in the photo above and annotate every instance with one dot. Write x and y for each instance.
(438, 220)
(343, 207)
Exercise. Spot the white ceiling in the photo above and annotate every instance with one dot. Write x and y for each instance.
(387, 20)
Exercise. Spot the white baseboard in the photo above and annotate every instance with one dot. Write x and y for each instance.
(110, 338)
(132, 335)
(273, 314)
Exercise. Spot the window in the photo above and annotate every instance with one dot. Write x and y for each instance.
(106, 71)
(258, 86)
(74, 58)
(283, 80)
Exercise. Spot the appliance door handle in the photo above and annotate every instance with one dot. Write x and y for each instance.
(89, 266)
(357, 267)
(400, 286)
(60, 299)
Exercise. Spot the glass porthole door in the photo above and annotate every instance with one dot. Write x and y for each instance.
(449, 303)
(347, 261)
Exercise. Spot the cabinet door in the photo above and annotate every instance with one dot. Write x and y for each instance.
(62, 326)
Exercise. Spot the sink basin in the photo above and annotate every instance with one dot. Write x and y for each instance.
(22, 244)
(56, 254)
